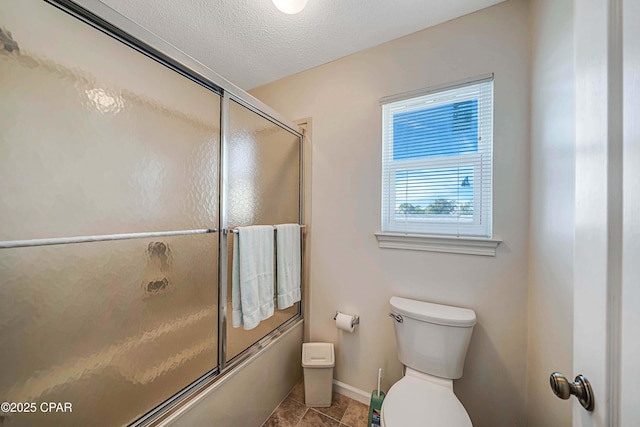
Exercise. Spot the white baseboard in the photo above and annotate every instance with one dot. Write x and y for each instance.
(352, 392)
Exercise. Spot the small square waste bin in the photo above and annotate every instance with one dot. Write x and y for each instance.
(318, 361)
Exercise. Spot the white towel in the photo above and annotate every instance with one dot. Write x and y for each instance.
(252, 281)
(288, 264)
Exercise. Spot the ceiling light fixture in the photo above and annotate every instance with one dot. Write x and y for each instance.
(290, 7)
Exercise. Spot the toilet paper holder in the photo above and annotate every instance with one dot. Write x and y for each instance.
(355, 320)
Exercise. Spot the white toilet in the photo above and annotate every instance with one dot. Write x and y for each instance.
(432, 343)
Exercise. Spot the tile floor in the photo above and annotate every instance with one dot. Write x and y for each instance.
(343, 412)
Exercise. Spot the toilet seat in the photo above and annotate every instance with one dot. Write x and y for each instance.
(420, 401)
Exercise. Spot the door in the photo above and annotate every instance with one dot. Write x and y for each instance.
(607, 224)
(262, 187)
(108, 194)
(630, 318)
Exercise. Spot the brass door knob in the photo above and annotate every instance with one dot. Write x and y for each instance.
(580, 388)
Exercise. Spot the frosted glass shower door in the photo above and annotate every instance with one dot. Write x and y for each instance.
(263, 188)
(99, 139)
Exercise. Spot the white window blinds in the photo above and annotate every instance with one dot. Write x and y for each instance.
(437, 160)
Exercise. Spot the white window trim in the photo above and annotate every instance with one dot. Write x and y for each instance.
(444, 235)
(430, 243)
(419, 92)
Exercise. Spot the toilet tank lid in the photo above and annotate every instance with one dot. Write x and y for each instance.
(433, 313)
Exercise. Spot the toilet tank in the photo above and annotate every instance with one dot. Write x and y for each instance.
(432, 338)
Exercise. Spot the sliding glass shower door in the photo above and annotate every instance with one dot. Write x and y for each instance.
(263, 188)
(110, 159)
(101, 146)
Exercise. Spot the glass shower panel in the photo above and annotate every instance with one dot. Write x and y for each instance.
(96, 138)
(263, 182)
(114, 328)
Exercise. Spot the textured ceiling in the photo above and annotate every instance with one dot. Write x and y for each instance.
(251, 43)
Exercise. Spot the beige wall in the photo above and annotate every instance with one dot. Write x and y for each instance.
(552, 197)
(350, 273)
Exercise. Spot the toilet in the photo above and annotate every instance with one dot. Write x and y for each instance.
(432, 342)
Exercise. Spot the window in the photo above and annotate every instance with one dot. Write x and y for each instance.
(437, 160)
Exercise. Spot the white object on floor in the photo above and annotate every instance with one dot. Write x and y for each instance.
(318, 360)
(426, 398)
(432, 341)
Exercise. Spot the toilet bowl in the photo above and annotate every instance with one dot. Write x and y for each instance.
(432, 341)
(423, 400)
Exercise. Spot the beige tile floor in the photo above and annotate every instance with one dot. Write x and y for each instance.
(343, 412)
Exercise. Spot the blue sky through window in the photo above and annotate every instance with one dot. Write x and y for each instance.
(446, 130)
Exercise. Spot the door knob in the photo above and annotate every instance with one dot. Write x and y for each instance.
(580, 388)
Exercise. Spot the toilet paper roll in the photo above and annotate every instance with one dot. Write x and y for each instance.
(345, 322)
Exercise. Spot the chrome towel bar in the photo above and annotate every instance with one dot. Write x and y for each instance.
(101, 238)
(235, 230)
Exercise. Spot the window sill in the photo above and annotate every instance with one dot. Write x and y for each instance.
(424, 242)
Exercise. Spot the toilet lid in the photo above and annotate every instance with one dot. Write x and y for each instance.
(413, 402)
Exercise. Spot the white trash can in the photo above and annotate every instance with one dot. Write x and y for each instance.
(318, 361)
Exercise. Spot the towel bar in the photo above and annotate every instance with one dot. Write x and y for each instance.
(101, 238)
(235, 230)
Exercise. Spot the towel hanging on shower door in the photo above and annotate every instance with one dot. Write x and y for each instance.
(288, 262)
(252, 276)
